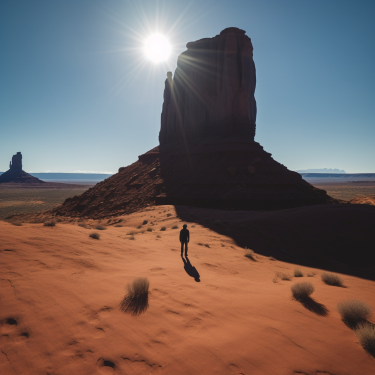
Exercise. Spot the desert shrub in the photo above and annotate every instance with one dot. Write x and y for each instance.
(83, 225)
(354, 312)
(100, 227)
(250, 254)
(284, 276)
(94, 235)
(175, 227)
(50, 223)
(366, 336)
(149, 229)
(169, 215)
(163, 228)
(145, 222)
(302, 291)
(136, 301)
(331, 279)
(139, 226)
(218, 222)
(298, 273)
(17, 224)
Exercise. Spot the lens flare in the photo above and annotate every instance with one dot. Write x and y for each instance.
(157, 48)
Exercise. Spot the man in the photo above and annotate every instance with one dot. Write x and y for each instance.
(184, 239)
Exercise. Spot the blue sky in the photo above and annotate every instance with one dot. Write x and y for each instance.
(77, 94)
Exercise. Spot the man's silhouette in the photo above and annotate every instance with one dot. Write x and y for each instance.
(184, 239)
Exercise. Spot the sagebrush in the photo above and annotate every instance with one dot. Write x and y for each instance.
(136, 301)
(331, 279)
(302, 291)
(354, 312)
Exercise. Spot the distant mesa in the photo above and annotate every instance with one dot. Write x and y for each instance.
(321, 170)
(207, 155)
(15, 174)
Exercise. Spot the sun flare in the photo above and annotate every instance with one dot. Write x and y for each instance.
(157, 48)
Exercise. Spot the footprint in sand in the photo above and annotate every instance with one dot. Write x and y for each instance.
(9, 325)
(106, 366)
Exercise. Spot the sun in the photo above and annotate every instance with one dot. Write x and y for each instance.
(157, 48)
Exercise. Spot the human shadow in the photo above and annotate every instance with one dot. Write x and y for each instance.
(313, 306)
(190, 269)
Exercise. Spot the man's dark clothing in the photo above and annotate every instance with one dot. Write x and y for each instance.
(184, 235)
(184, 239)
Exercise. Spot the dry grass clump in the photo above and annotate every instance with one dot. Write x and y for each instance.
(100, 227)
(331, 279)
(163, 228)
(94, 235)
(50, 223)
(149, 229)
(366, 336)
(136, 301)
(250, 254)
(169, 215)
(311, 274)
(139, 226)
(284, 276)
(175, 227)
(354, 312)
(298, 273)
(302, 291)
(131, 238)
(145, 222)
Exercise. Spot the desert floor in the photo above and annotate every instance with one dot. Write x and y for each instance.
(61, 291)
(26, 198)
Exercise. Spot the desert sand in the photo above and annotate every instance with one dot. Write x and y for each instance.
(61, 290)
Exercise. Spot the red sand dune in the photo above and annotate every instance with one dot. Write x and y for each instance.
(61, 290)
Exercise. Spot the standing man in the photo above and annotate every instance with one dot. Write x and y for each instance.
(184, 239)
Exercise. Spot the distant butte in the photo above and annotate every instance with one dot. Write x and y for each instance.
(15, 174)
(207, 155)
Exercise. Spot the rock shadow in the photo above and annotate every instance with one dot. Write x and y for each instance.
(320, 236)
(190, 269)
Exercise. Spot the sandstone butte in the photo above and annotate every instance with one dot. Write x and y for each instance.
(207, 156)
(15, 173)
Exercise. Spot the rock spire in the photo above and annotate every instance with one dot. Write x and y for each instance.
(15, 174)
(212, 92)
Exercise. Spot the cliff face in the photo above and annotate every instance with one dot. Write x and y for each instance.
(212, 92)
